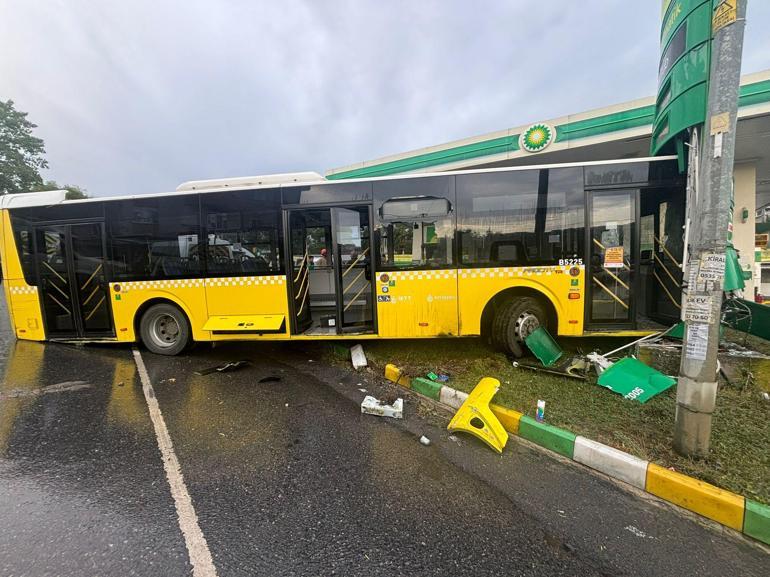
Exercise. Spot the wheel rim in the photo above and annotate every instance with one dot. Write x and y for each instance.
(526, 324)
(164, 331)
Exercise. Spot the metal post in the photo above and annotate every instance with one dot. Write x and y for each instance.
(702, 301)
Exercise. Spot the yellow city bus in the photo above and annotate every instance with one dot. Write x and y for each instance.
(591, 248)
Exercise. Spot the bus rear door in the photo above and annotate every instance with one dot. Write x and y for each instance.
(72, 280)
(612, 259)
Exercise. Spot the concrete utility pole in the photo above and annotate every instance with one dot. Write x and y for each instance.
(702, 301)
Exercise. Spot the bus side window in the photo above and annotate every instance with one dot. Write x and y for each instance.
(242, 232)
(415, 222)
(154, 238)
(520, 218)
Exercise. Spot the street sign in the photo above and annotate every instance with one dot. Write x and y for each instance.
(683, 71)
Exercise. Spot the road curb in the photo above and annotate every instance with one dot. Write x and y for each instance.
(707, 500)
(724, 507)
(757, 521)
(557, 440)
(611, 462)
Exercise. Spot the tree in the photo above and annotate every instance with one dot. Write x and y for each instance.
(21, 153)
(73, 192)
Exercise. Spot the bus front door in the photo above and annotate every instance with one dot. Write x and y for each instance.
(72, 281)
(353, 256)
(612, 259)
(331, 282)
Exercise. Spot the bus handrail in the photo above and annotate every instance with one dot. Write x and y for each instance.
(301, 284)
(304, 300)
(301, 265)
(354, 281)
(663, 286)
(354, 298)
(612, 294)
(358, 258)
(665, 250)
(98, 268)
(665, 268)
(617, 278)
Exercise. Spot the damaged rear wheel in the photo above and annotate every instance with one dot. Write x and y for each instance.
(515, 321)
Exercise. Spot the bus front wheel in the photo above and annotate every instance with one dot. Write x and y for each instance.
(515, 321)
(164, 329)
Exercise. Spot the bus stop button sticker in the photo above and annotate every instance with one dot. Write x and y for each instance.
(613, 257)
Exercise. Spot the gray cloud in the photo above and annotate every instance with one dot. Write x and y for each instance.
(138, 96)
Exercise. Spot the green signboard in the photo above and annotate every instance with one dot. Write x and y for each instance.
(683, 71)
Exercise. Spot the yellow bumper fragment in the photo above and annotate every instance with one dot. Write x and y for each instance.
(475, 417)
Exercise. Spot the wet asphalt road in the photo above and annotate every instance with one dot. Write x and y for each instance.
(288, 478)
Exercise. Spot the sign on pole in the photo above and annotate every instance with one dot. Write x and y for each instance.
(683, 72)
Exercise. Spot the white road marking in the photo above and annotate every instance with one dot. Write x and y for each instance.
(197, 548)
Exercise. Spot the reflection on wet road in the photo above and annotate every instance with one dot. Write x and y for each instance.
(83, 489)
(287, 477)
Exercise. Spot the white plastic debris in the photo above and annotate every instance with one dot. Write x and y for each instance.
(425, 440)
(766, 396)
(372, 406)
(601, 363)
(357, 356)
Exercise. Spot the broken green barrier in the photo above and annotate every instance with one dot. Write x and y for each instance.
(733, 271)
(541, 343)
(635, 380)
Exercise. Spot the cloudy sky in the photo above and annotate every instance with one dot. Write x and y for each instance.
(138, 96)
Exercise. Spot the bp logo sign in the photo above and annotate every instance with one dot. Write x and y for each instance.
(537, 137)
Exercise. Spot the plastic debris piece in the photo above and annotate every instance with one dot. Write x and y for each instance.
(541, 343)
(425, 440)
(443, 378)
(393, 373)
(475, 417)
(372, 406)
(578, 367)
(432, 376)
(357, 357)
(600, 362)
(572, 368)
(540, 413)
(226, 368)
(634, 380)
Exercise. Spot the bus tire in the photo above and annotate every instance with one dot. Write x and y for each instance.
(164, 330)
(515, 321)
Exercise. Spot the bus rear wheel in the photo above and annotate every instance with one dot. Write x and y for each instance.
(164, 330)
(515, 321)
